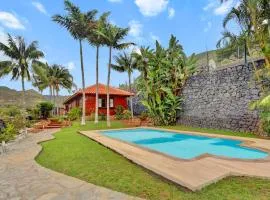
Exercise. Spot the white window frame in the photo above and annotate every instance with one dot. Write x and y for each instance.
(111, 103)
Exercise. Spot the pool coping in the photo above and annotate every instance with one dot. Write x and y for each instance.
(244, 143)
(226, 170)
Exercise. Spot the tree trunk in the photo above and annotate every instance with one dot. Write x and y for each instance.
(108, 85)
(51, 94)
(130, 98)
(56, 102)
(54, 112)
(24, 106)
(83, 85)
(96, 111)
(245, 53)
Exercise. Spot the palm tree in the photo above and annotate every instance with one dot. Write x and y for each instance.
(232, 41)
(142, 59)
(251, 16)
(78, 24)
(113, 36)
(239, 15)
(126, 63)
(96, 40)
(21, 58)
(53, 77)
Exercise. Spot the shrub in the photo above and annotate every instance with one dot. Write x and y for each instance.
(74, 114)
(44, 109)
(119, 110)
(143, 116)
(126, 114)
(9, 133)
(2, 126)
(13, 111)
(102, 117)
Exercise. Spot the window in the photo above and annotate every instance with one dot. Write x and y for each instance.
(101, 103)
(111, 103)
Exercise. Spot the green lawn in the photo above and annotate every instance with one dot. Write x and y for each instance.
(78, 156)
(212, 131)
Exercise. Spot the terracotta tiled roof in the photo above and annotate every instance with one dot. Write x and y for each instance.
(101, 91)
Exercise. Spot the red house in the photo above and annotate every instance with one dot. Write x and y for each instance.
(117, 97)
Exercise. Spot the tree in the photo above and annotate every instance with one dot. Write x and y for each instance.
(126, 63)
(21, 56)
(113, 37)
(142, 57)
(229, 43)
(252, 17)
(53, 77)
(44, 109)
(167, 72)
(78, 24)
(97, 40)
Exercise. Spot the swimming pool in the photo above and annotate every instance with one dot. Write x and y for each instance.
(185, 146)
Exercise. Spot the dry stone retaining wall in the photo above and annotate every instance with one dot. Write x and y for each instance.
(220, 99)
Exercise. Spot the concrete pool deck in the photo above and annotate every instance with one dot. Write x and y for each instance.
(196, 173)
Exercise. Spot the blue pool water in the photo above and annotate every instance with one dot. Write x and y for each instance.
(185, 146)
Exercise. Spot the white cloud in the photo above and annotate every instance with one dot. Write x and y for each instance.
(40, 7)
(208, 27)
(220, 8)
(171, 13)
(115, 1)
(151, 7)
(9, 20)
(44, 60)
(223, 8)
(135, 28)
(3, 39)
(136, 31)
(211, 4)
(70, 65)
(154, 37)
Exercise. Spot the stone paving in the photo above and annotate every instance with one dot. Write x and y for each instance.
(21, 178)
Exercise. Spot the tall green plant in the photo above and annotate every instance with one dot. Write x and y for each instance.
(97, 40)
(126, 63)
(167, 71)
(21, 56)
(53, 77)
(78, 24)
(113, 37)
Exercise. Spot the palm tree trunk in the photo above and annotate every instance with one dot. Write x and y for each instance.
(83, 85)
(24, 106)
(51, 94)
(54, 111)
(57, 109)
(51, 97)
(96, 111)
(130, 98)
(245, 53)
(108, 85)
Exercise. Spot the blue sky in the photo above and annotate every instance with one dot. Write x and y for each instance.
(196, 24)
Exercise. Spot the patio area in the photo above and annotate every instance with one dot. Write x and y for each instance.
(192, 174)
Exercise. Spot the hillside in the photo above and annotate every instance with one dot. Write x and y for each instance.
(13, 97)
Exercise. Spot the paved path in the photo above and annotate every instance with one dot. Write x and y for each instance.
(193, 174)
(21, 178)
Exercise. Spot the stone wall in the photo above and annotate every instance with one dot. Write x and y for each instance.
(220, 99)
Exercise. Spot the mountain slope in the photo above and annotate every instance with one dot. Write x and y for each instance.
(13, 97)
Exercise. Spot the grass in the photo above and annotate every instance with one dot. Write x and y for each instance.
(212, 131)
(78, 156)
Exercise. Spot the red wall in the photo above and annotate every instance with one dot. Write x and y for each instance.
(90, 104)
